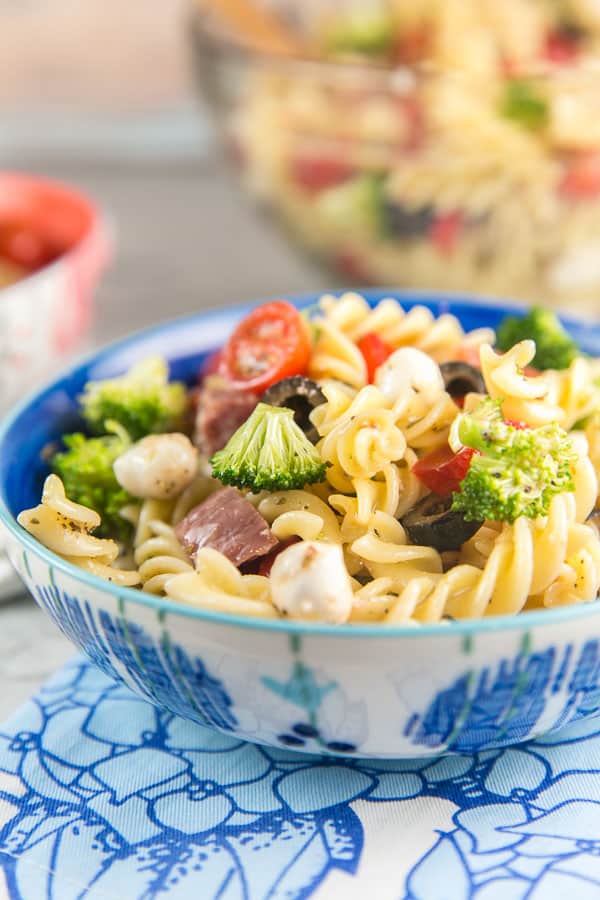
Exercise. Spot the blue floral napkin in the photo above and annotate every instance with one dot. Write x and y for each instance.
(104, 796)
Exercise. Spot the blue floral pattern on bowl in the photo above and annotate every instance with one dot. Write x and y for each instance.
(484, 706)
(104, 795)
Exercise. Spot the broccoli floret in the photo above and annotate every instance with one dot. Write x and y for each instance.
(143, 400)
(555, 348)
(522, 103)
(515, 472)
(356, 207)
(268, 452)
(364, 32)
(86, 469)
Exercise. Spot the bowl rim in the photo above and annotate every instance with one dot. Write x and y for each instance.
(100, 228)
(165, 607)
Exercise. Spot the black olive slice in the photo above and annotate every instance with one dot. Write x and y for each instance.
(300, 394)
(460, 378)
(402, 222)
(431, 523)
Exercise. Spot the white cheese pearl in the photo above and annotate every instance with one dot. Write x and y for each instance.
(309, 580)
(409, 368)
(158, 467)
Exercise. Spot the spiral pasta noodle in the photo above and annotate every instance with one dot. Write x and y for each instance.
(347, 319)
(156, 550)
(566, 396)
(592, 434)
(336, 356)
(525, 398)
(159, 556)
(65, 528)
(576, 391)
(364, 439)
(385, 548)
(197, 491)
(219, 586)
(425, 422)
(143, 514)
(551, 561)
(300, 514)
(365, 443)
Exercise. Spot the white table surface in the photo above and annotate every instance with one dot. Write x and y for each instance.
(186, 241)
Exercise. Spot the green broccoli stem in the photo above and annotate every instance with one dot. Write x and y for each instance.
(474, 435)
(484, 429)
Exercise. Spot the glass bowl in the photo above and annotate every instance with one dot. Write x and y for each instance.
(421, 175)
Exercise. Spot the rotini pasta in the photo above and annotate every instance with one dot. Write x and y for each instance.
(65, 528)
(160, 556)
(347, 319)
(218, 585)
(301, 514)
(364, 439)
(525, 398)
(592, 433)
(546, 562)
(566, 397)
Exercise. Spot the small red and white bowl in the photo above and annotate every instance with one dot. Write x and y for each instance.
(56, 241)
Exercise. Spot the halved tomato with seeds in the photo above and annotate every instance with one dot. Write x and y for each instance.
(269, 344)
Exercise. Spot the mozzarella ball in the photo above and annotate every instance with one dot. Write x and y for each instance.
(158, 467)
(309, 580)
(408, 368)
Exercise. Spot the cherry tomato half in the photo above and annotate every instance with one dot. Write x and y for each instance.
(445, 231)
(272, 342)
(375, 352)
(443, 470)
(317, 173)
(561, 47)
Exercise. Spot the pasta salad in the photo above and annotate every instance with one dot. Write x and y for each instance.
(344, 464)
(451, 144)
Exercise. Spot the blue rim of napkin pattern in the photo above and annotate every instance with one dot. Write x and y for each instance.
(103, 795)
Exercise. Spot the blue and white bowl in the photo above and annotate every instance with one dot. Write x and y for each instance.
(379, 691)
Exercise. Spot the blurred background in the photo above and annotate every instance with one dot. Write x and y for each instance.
(99, 94)
(449, 144)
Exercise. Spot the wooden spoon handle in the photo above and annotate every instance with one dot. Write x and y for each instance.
(256, 27)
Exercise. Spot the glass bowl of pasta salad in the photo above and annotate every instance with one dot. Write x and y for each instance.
(348, 524)
(446, 145)
(53, 246)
